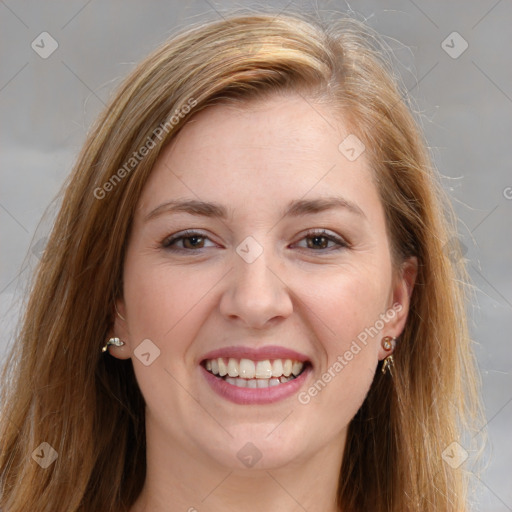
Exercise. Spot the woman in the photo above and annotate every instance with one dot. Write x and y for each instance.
(245, 300)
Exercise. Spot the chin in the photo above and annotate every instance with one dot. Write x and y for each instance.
(252, 448)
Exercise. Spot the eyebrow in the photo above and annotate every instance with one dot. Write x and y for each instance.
(296, 208)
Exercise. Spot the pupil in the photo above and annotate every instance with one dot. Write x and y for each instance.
(192, 241)
(318, 239)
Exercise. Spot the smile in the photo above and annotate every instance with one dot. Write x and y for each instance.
(246, 373)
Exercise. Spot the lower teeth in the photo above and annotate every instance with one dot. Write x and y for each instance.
(257, 383)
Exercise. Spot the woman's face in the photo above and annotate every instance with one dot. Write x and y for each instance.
(259, 247)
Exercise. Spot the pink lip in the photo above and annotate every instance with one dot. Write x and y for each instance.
(248, 396)
(256, 354)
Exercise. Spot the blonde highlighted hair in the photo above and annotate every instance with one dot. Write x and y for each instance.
(59, 388)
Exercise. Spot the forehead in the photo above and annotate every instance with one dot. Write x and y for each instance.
(265, 152)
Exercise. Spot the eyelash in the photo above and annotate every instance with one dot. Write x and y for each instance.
(170, 240)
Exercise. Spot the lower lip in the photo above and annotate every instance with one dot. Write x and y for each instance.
(248, 396)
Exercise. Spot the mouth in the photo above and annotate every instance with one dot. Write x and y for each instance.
(255, 374)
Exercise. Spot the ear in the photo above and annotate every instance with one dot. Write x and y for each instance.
(121, 331)
(400, 300)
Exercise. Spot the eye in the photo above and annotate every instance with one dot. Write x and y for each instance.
(319, 240)
(185, 241)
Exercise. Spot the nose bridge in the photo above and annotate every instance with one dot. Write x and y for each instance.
(255, 294)
(252, 274)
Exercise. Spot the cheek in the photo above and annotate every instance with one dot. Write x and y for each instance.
(345, 310)
(347, 303)
(167, 304)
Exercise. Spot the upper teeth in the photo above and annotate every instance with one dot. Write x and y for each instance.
(248, 369)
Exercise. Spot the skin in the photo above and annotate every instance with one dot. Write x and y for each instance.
(314, 299)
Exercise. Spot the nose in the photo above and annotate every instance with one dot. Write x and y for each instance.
(256, 295)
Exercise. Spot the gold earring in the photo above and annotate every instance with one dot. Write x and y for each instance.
(112, 341)
(387, 364)
(388, 343)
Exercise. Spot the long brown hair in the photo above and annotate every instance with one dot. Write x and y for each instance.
(58, 388)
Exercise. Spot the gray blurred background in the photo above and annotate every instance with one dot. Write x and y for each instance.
(61, 60)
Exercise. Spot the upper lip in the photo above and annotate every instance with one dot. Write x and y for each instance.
(256, 354)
